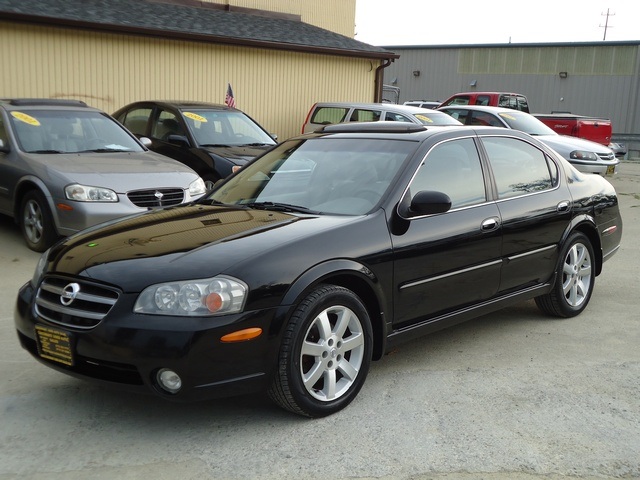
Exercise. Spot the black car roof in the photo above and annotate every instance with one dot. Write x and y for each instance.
(20, 103)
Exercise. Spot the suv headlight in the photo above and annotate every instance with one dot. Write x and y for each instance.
(86, 193)
(583, 155)
(205, 297)
(197, 187)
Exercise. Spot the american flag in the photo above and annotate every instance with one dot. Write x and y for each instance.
(229, 99)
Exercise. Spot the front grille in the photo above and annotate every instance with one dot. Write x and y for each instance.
(159, 197)
(606, 156)
(74, 303)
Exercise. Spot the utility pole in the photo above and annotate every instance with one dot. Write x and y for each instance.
(606, 23)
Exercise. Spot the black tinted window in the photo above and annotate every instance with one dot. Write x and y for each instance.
(452, 168)
(518, 167)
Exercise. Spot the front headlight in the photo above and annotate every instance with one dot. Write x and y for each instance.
(197, 187)
(39, 272)
(205, 297)
(86, 193)
(583, 155)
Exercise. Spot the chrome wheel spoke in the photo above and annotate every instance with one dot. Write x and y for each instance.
(577, 275)
(332, 353)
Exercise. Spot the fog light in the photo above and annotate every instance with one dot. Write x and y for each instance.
(169, 380)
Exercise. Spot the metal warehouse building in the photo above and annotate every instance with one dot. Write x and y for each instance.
(279, 56)
(598, 79)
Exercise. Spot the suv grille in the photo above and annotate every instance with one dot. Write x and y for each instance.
(159, 197)
(73, 302)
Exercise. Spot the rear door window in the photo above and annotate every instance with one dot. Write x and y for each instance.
(364, 115)
(329, 115)
(519, 168)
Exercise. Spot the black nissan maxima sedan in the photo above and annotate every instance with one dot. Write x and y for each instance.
(318, 257)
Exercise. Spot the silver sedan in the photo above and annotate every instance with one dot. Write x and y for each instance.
(65, 166)
(586, 156)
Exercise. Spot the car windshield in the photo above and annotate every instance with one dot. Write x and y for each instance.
(526, 123)
(436, 118)
(225, 127)
(70, 131)
(318, 175)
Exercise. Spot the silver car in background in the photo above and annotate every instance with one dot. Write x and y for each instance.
(584, 155)
(65, 166)
(327, 113)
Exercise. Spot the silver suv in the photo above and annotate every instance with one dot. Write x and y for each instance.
(65, 166)
(323, 113)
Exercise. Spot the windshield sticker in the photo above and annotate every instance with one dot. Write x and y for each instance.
(195, 116)
(507, 116)
(424, 119)
(28, 119)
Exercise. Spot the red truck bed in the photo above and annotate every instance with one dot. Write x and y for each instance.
(589, 128)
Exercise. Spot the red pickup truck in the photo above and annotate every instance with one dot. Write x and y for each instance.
(589, 128)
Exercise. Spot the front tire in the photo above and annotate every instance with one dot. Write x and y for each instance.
(325, 353)
(575, 278)
(36, 221)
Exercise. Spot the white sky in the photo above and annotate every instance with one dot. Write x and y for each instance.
(454, 22)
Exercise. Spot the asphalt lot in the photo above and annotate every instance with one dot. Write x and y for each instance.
(511, 395)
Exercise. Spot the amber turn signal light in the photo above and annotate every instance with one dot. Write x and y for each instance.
(242, 335)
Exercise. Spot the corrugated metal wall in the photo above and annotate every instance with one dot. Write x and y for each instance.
(277, 88)
(601, 80)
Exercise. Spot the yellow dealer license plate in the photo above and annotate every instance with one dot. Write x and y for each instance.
(611, 169)
(54, 345)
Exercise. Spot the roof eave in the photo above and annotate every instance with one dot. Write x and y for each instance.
(214, 39)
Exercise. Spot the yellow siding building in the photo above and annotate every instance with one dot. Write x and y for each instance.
(277, 65)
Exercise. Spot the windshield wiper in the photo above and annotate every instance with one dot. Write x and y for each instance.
(279, 207)
(104, 150)
(257, 144)
(215, 145)
(49, 151)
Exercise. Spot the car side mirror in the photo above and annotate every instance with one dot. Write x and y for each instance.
(3, 147)
(179, 140)
(428, 202)
(146, 141)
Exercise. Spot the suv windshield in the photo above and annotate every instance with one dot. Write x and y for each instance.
(224, 127)
(70, 131)
(319, 175)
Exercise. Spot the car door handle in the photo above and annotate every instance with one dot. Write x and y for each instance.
(490, 224)
(563, 206)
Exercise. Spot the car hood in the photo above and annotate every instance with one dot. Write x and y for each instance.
(180, 243)
(565, 144)
(239, 154)
(121, 171)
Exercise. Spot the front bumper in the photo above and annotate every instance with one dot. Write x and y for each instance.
(127, 350)
(608, 168)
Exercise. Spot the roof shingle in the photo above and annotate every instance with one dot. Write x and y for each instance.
(189, 22)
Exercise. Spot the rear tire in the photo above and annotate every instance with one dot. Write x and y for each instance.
(575, 278)
(325, 353)
(36, 221)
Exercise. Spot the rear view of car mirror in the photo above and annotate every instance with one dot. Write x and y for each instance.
(429, 203)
